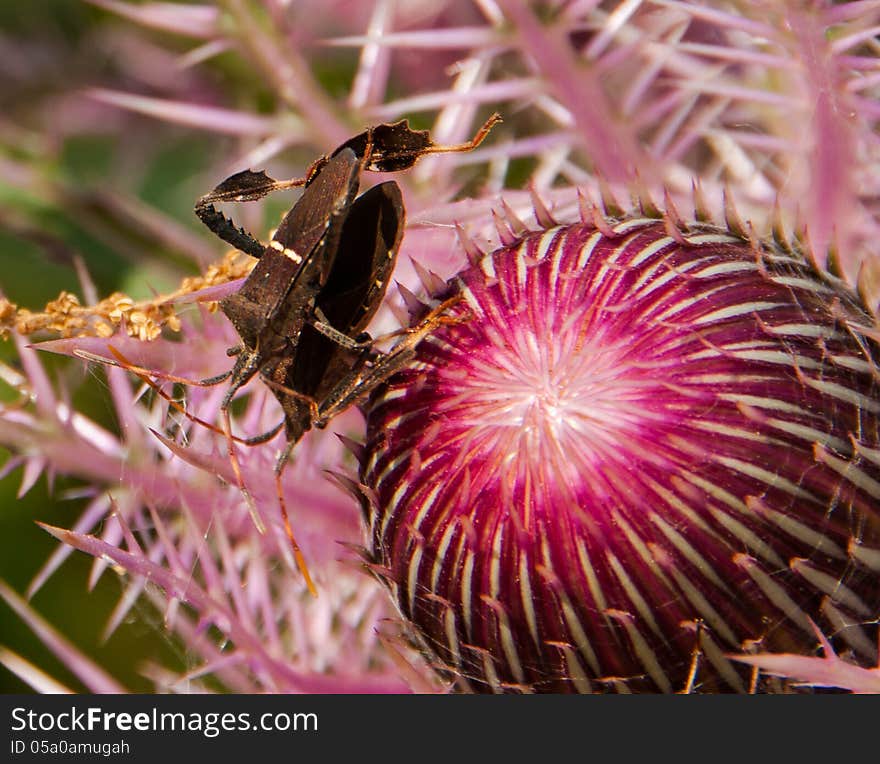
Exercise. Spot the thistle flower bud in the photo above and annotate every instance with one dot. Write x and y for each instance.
(631, 453)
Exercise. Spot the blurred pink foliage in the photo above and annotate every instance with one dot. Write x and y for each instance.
(775, 102)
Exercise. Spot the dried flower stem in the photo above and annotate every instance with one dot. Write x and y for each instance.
(142, 319)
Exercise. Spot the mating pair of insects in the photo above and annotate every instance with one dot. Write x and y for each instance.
(302, 311)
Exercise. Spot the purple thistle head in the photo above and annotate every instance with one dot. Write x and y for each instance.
(629, 452)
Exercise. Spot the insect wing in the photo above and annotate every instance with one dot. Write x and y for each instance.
(300, 256)
(317, 218)
(368, 245)
(354, 290)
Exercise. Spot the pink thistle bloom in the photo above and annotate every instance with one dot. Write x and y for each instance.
(630, 447)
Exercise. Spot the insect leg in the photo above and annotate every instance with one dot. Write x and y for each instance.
(246, 186)
(472, 143)
(246, 365)
(271, 383)
(323, 326)
(363, 379)
(121, 362)
(236, 469)
(148, 377)
(265, 437)
(222, 227)
(279, 489)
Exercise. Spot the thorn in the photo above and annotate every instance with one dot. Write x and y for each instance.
(602, 224)
(370, 498)
(832, 258)
(867, 291)
(644, 200)
(382, 572)
(802, 238)
(508, 237)
(130, 540)
(758, 251)
(356, 449)
(673, 232)
(777, 227)
(473, 252)
(431, 282)
(801, 232)
(399, 313)
(414, 306)
(827, 649)
(357, 550)
(542, 214)
(609, 204)
(513, 220)
(583, 207)
(346, 483)
(731, 215)
(598, 220)
(672, 212)
(672, 221)
(701, 209)
(754, 239)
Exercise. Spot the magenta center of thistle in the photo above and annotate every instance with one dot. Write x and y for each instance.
(628, 457)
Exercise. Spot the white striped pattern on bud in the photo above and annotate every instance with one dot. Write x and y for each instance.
(632, 455)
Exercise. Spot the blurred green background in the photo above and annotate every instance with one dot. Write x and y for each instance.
(63, 160)
(46, 219)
